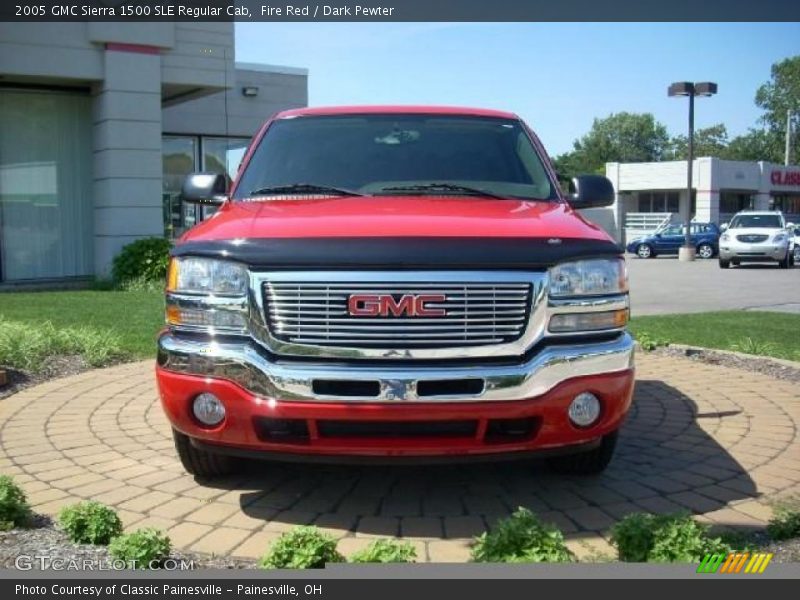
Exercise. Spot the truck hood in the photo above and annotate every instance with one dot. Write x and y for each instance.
(394, 216)
(397, 232)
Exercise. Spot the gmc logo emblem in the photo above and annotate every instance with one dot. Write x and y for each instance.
(384, 305)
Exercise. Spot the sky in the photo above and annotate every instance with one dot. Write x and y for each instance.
(557, 76)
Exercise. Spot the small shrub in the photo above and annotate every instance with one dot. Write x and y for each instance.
(143, 549)
(649, 342)
(385, 551)
(643, 537)
(90, 523)
(521, 538)
(785, 524)
(14, 508)
(303, 547)
(750, 346)
(143, 259)
(141, 284)
(25, 345)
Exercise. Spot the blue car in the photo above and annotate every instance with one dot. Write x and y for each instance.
(705, 237)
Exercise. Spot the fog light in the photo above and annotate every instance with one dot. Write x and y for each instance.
(208, 409)
(584, 409)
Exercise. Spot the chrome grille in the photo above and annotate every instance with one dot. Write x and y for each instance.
(752, 238)
(476, 313)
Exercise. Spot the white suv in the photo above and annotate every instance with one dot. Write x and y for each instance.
(755, 236)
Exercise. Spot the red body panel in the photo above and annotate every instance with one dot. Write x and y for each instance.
(395, 216)
(555, 430)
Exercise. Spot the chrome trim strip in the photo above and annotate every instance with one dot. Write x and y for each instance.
(243, 364)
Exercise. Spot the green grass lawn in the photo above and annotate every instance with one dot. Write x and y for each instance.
(135, 317)
(770, 333)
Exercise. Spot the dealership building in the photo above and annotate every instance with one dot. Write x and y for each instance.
(648, 194)
(99, 124)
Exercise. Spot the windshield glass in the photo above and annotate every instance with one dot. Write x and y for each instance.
(742, 221)
(398, 154)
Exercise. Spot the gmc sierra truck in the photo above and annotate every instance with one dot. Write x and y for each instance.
(396, 284)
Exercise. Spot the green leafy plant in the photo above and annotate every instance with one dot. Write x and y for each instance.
(26, 345)
(14, 508)
(304, 547)
(750, 346)
(521, 538)
(644, 537)
(145, 259)
(649, 342)
(90, 523)
(785, 524)
(385, 551)
(143, 549)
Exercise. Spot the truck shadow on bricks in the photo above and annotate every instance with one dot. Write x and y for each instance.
(667, 461)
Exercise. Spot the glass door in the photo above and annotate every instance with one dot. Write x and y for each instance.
(46, 209)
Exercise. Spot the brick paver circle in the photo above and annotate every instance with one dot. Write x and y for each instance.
(719, 442)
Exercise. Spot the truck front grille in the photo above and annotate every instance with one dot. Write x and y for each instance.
(396, 314)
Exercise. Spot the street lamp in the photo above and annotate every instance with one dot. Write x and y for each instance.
(687, 88)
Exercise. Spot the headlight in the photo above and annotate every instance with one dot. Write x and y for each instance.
(193, 275)
(591, 277)
(725, 237)
(779, 237)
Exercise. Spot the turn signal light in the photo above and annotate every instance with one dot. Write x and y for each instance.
(592, 321)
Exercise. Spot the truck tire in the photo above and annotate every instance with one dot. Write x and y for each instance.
(199, 462)
(586, 463)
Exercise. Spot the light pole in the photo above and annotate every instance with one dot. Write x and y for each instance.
(687, 88)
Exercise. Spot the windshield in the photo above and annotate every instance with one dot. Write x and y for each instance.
(770, 221)
(397, 154)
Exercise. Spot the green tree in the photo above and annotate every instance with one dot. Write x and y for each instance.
(620, 137)
(756, 144)
(777, 96)
(709, 141)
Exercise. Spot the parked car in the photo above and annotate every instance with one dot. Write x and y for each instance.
(396, 283)
(668, 240)
(794, 242)
(755, 236)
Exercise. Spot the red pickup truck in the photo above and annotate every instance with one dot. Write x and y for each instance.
(399, 284)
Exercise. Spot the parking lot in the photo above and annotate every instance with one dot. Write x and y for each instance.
(665, 285)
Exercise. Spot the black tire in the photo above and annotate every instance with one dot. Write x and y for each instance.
(586, 463)
(786, 262)
(645, 251)
(705, 251)
(199, 462)
(724, 264)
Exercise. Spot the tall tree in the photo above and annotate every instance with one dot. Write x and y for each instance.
(756, 144)
(779, 95)
(620, 137)
(709, 141)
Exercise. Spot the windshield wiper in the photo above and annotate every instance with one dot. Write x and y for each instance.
(304, 188)
(444, 187)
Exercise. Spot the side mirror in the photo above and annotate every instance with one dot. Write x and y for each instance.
(790, 226)
(204, 188)
(591, 191)
(723, 227)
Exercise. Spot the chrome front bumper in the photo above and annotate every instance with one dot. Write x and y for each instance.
(246, 365)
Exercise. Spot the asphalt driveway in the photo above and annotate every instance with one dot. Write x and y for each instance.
(666, 285)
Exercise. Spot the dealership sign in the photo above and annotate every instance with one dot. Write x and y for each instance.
(785, 178)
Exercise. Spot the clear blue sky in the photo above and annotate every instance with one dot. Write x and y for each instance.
(557, 76)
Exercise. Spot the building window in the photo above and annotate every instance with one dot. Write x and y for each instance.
(46, 210)
(183, 155)
(659, 202)
(733, 202)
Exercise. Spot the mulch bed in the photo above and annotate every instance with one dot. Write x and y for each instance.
(44, 539)
(54, 367)
(754, 364)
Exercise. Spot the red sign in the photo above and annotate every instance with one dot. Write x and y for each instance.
(374, 305)
(785, 178)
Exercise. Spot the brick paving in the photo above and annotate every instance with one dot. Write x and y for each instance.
(715, 441)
